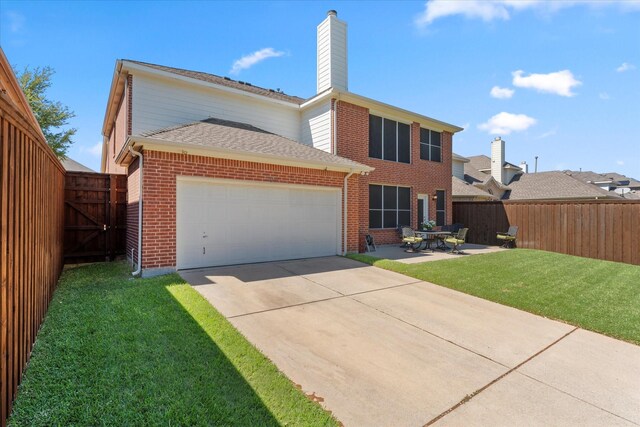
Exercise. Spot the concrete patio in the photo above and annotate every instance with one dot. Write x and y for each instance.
(401, 254)
(380, 348)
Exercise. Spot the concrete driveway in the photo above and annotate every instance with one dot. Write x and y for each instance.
(381, 349)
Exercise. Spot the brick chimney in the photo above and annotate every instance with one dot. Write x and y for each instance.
(497, 160)
(332, 53)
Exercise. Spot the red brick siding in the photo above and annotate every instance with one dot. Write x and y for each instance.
(159, 186)
(423, 177)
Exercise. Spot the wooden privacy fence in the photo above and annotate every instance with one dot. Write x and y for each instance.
(31, 214)
(602, 229)
(95, 216)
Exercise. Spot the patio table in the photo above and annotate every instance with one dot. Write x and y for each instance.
(430, 236)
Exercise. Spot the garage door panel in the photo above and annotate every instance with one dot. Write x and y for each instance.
(254, 223)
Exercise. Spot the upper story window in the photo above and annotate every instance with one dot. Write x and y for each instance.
(430, 145)
(389, 140)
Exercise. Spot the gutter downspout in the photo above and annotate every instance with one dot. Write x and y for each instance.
(334, 141)
(344, 227)
(139, 270)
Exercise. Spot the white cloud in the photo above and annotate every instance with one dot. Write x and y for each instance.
(620, 162)
(252, 59)
(94, 150)
(501, 92)
(502, 9)
(604, 96)
(625, 67)
(505, 123)
(559, 83)
(16, 21)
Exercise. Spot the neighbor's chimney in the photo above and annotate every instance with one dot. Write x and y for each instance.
(332, 53)
(524, 166)
(497, 160)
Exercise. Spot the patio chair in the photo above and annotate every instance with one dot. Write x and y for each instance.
(457, 240)
(509, 238)
(409, 238)
(370, 243)
(456, 227)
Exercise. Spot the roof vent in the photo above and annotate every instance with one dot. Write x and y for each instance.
(227, 78)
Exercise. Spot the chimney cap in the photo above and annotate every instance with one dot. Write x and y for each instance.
(497, 138)
(332, 13)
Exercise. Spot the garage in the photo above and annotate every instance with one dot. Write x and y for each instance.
(225, 222)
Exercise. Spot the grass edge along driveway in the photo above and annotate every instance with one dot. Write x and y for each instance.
(600, 296)
(120, 351)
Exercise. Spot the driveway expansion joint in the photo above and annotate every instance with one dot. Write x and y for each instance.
(468, 397)
(341, 295)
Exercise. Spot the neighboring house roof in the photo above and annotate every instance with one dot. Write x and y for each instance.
(464, 189)
(71, 165)
(483, 162)
(615, 179)
(553, 185)
(223, 81)
(526, 186)
(459, 158)
(237, 139)
(473, 175)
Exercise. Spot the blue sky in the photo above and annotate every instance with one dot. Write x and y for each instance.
(560, 81)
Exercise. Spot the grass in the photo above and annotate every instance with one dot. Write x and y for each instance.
(119, 351)
(601, 296)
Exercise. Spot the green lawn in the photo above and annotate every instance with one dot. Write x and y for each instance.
(119, 351)
(601, 296)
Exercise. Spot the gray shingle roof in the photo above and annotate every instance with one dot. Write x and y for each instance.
(247, 139)
(223, 81)
(464, 189)
(484, 162)
(71, 165)
(553, 185)
(541, 185)
(603, 177)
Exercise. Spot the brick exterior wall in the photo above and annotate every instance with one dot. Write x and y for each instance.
(161, 169)
(422, 176)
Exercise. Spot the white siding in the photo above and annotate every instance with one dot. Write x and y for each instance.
(316, 127)
(160, 103)
(332, 54)
(458, 169)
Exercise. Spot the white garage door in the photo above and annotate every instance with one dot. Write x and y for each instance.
(236, 222)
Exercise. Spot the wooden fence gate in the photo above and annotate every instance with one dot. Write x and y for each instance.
(95, 217)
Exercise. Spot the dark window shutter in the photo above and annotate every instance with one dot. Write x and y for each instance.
(375, 137)
(404, 143)
(390, 140)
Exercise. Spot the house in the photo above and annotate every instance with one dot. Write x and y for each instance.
(483, 178)
(71, 165)
(224, 172)
(628, 188)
